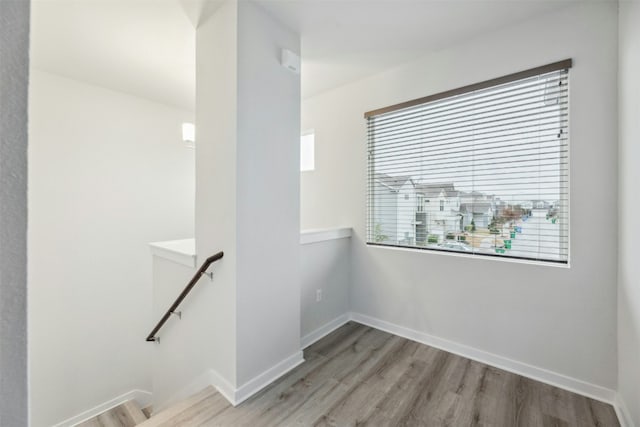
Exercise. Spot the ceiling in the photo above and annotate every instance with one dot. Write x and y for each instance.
(343, 41)
(142, 47)
(147, 47)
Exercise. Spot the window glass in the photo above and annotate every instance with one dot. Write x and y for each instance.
(307, 152)
(497, 161)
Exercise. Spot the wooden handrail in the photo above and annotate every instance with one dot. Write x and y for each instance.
(202, 270)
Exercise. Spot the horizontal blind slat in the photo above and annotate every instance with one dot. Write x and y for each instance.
(470, 101)
(475, 136)
(495, 84)
(532, 106)
(496, 151)
(488, 127)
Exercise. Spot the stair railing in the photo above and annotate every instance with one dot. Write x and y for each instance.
(172, 310)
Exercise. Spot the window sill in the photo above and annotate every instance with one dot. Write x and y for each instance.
(314, 236)
(470, 256)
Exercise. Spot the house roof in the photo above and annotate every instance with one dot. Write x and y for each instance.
(394, 183)
(476, 208)
(540, 204)
(434, 190)
(477, 196)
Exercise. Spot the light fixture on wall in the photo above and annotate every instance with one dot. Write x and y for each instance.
(189, 134)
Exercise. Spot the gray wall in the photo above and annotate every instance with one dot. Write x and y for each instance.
(324, 265)
(555, 318)
(268, 195)
(14, 76)
(629, 176)
(248, 191)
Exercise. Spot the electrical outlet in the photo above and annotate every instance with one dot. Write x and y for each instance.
(318, 295)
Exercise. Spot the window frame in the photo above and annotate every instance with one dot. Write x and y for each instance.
(312, 133)
(564, 65)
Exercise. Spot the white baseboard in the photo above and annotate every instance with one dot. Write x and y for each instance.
(250, 388)
(623, 412)
(256, 384)
(223, 386)
(206, 379)
(143, 398)
(539, 374)
(235, 396)
(321, 235)
(324, 330)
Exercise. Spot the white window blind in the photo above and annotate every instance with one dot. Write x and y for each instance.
(482, 169)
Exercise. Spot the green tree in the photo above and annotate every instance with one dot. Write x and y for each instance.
(377, 234)
(493, 225)
(511, 214)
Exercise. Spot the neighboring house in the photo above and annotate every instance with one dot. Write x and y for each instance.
(407, 212)
(500, 207)
(480, 212)
(539, 212)
(476, 196)
(479, 207)
(540, 204)
(438, 210)
(394, 206)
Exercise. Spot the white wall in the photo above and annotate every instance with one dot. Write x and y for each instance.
(247, 201)
(14, 71)
(559, 319)
(325, 265)
(175, 360)
(629, 202)
(268, 195)
(109, 173)
(216, 69)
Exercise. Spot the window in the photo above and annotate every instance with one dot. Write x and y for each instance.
(307, 151)
(495, 153)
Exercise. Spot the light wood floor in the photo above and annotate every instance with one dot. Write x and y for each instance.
(125, 415)
(361, 376)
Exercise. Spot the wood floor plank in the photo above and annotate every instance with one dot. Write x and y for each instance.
(203, 412)
(361, 398)
(393, 404)
(555, 404)
(206, 394)
(466, 398)
(603, 413)
(93, 422)
(131, 412)
(337, 368)
(127, 414)
(338, 339)
(420, 403)
(362, 376)
(315, 407)
(275, 396)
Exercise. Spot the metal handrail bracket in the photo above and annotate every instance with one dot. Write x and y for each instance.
(173, 309)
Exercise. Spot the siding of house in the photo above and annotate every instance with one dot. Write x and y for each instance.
(385, 211)
(406, 214)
